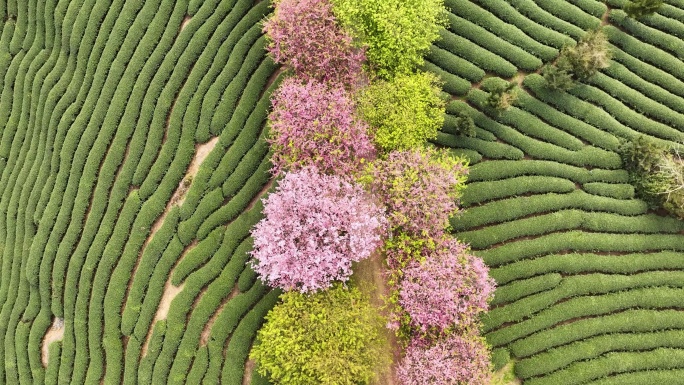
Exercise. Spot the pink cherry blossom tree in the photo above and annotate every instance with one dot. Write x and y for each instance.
(420, 188)
(455, 360)
(315, 124)
(446, 291)
(315, 226)
(305, 35)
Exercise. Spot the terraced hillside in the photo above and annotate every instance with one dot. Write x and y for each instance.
(132, 159)
(106, 106)
(591, 281)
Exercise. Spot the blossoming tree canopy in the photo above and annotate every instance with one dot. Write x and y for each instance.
(315, 226)
(454, 360)
(448, 290)
(314, 123)
(420, 188)
(305, 35)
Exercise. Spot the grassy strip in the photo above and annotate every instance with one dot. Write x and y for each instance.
(525, 287)
(576, 263)
(612, 363)
(577, 286)
(493, 150)
(591, 348)
(475, 54)
(649, 72)
(491, 22)
(513, 208)
(493, 43)
(509, 169)
(617, 191)
(653, 91)
(672, 377)
(571, 13)
(586, 156)
(575, 106)
(630, 118)
(478, 192)
(567, 123)
(643, 298)
(453, 84)
(628, 321)
(454, 65)
(645, 52)
(667, 42)
(510, 13)
(580, 241)
(570, 220)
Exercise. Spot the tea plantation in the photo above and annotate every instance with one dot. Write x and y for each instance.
(133, 159)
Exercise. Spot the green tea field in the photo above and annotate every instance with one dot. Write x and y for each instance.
(133, 161)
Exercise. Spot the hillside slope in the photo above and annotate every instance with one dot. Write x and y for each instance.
(132, 157)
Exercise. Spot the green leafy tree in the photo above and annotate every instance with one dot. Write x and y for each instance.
(589, 55)
(396, 33)
(331, 337)
(559, 76)
(403, 113)
(465, 125)
(656, 172)
(579, 62)
(638, 8)
(503, 96)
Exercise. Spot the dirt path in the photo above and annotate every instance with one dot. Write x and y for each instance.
(249, 369)
(369, 274)
(207, 328)
(505, 376)
(170, 292)
(55, 333)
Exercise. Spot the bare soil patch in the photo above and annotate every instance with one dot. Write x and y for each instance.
(170, 292)
(185, 22)
(249, 369)
(207, 328)
(55, 333)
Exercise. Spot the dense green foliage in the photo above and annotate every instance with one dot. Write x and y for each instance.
(375, 24)
(331, 337)
(579, 62)
(577, 254)
(639, 8)
(656, 173)
(105, 103)
(404, 112)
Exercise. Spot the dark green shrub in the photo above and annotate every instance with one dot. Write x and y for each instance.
(503, 96)
(639, 8)
(580, 62)
(656, 173)
(462, 124)
(559, 76)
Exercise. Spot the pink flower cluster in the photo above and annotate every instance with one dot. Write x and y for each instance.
(454, 360)
(316, 124)
(315, 226)
(305, 35)
(420, 189)
(449, 289)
